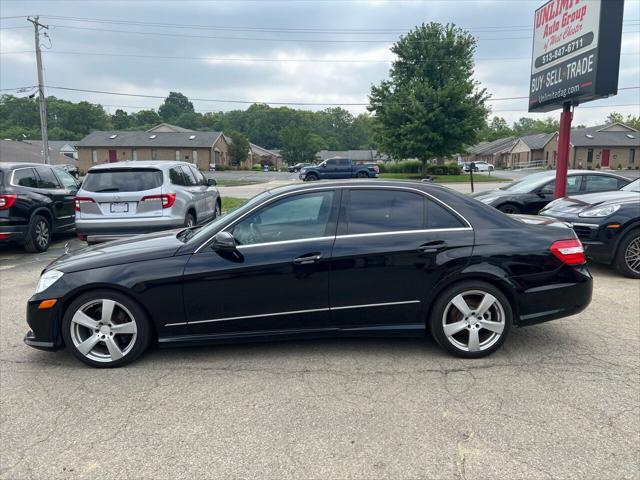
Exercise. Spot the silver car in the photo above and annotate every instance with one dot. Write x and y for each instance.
(131, 198)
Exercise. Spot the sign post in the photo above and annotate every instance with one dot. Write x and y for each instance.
(576, 59)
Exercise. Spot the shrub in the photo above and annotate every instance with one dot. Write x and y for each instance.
(221, 168)
(619, 166)
(597, 166)
(257, 167)
(453, 169)
(405, 166)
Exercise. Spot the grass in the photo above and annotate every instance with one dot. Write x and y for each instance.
(231, 203)
(477, 177)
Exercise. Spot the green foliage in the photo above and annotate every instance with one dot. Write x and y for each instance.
(175, 105)
(614, 117)
(405, 166)
(498, 127)
(257, 167)
(239, 147)
(446, 169)
(430, 107)
(299, 144)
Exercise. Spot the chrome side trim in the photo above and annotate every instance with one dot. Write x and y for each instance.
(294, 312)
(355, 186)
(284, 242)
(404, 232)
(375, 305)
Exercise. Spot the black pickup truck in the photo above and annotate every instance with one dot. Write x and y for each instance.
(334, 168)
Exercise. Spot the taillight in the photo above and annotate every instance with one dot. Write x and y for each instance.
(570, 252)
(7, 201)
(77, 201)
(168, 199)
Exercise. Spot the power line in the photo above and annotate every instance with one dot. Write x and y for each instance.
(251, 102)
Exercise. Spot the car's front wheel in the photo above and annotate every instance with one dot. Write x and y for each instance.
(311, 177)
(627, 259)
(471, 319)
(105, 329)
(509, 208)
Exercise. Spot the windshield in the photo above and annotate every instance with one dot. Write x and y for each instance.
(529, 183)
(208, 230)
(126, 180)
(632, 187)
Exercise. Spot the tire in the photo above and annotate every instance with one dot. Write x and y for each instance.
(100, 352)
(189, 220)
(509, 208)
(461, 328)
(217, 210)
(39, 235)
(627, 259)
(362, 175)
(310, 177)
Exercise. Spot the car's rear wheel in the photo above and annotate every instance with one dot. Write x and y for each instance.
(105, 329)
(362, 175)
(627, 258)
(311, 177)
(471, 319)
(217, 211)
(39, 235)
(509, 208)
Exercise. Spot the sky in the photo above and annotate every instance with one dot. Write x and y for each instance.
(304, 51)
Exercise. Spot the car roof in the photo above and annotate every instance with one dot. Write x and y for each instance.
(301, 187)
(14, 165)
(159, 164)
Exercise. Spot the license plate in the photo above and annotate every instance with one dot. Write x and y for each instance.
(120, 207)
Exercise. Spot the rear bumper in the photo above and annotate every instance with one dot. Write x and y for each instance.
(13, 233)
(542, 300)
(112, 229)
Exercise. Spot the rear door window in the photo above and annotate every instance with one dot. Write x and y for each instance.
(25, 177)
(66, 179)
(176, 176)
(380, 211)
(190, 179)
(439, 217)
(46, 178)
(199, 176)
(125, 180)
(600, 183)
(573, 186)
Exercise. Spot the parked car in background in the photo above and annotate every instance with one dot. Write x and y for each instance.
(607, 223)
(449, 265)
(478, 167)
(131, 198)
(532, 193)
(36, 202)
(70, 169)
(338, 168)
(297, 167)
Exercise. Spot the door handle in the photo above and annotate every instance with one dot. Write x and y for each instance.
(432, 247)
(307, 259)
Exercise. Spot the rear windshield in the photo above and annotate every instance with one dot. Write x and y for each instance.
(127, 180)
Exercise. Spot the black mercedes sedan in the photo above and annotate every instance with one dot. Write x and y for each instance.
(342, 258)
(532, 193)
(608, 224)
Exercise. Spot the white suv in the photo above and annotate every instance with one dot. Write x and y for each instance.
(129, 198)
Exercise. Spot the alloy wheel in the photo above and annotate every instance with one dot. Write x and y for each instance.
(103, 330)
(190, 222)
(632, 255)
(42, 234)
(217, 210)
(473, 321)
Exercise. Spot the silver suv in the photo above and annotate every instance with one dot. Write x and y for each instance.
(130, 198)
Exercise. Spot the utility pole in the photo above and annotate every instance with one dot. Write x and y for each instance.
(43, 106)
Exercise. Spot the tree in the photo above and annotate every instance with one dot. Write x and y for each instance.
(430, 107)
(633, 122)
(175, 105)
(146, 118)
(497, 128)
(615, 117)
(299, 145)
(120, 120)
(239, 147)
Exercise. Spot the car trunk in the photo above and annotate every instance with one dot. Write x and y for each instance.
(121, 193)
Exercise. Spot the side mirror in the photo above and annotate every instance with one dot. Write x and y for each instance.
(223, 241)
(211, 182)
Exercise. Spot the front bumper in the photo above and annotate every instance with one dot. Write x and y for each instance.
(44, 333)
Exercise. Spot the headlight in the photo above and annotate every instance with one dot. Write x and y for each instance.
(600, 211)
(47, 279)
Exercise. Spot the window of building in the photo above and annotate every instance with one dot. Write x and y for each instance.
(46, 178)
(154, 154)
(590, 155)
(375, 211)
(177, 155)
(134, 154)
(194, 156)
(632, 156)
(94, 156)
(293, 218)
(546, 156)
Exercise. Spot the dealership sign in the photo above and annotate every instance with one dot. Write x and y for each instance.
(576, 52)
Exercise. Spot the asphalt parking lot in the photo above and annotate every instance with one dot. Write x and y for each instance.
(559, 400)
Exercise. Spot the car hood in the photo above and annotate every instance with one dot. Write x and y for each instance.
(579, 203)
(144, 247)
